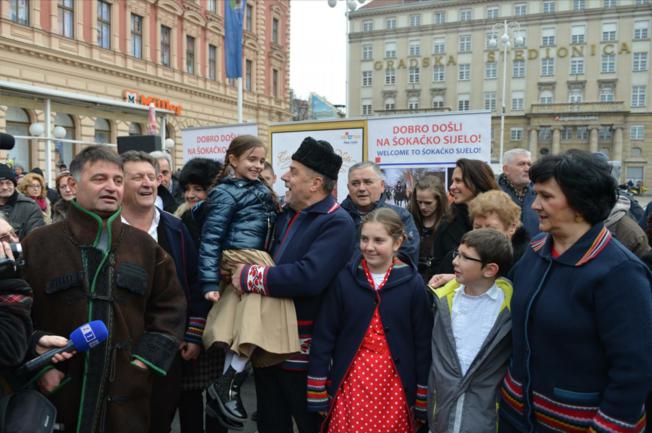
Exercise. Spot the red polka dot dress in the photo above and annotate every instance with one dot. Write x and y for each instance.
(371, 398)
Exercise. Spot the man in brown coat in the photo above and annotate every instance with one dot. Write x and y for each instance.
(91, 266)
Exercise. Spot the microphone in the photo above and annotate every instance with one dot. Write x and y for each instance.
(7, 141)
(86, 337)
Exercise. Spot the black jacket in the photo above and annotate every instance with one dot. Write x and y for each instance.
(15, 322)
(23, 214)
(447, 238)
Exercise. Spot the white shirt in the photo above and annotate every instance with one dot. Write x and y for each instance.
(378, 279)
(153, 228)
(473, 317)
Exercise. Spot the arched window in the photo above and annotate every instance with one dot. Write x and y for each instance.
(135, 129)
(102, 131)
(18, 124)
(64, 150)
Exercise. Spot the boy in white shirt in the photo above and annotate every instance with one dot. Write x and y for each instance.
(471, 339)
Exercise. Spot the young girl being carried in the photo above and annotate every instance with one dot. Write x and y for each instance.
(238, 217)
(372, 338)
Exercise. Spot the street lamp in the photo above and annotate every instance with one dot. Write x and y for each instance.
(511, 31)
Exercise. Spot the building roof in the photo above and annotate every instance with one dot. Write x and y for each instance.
(373, 4)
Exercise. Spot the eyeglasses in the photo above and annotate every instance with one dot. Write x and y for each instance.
(456, 253)
(35, 186)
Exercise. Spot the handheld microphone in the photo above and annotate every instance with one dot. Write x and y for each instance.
(7, 141)
(86, 337)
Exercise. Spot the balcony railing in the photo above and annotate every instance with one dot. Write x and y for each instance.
(579, 107)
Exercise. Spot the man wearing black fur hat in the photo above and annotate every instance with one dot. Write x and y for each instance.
(22, 212)
(313, 240)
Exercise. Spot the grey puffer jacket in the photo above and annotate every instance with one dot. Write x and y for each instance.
(23, 214)
(238, 214)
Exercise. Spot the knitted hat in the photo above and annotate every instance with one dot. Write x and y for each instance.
(319, 156)
(199, 171)
(38, 171)
(6, 173)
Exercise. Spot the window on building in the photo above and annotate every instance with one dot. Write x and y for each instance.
(438, 101)
(635, 173)
(577, 34)
(439, 46)
(249, 72)
(135, 129)
(366, 78)
(518, 102)
(367, 52)
(545, 133)
(19, 11)
(66, 10)
(575, 95)
(275, 83)
(546, 97)
(490, 69)
(212, 62)
(390, 104)
(390, 50)
(463, 103)
(609, 3)
(211, 6)
(102, 131)
(413, 74)
(438, 73)
(366, 108)
(636, 132)
(103, 24)
(440, 17)
(390, 76)
(137, 36)
(249, 18)
(516, 134)
(638, 96)
(490, 101)
(549, 7)
(465, 14)
(579, 5)
(609, 32)
(275, 30)
(608, 64)
(640, 29)
(413, 103)
(390, 23)
(518, 69)
(492, 12)
(639, 62)
(166, 37)
(547, 67)
(520, 9)
(415, 20)
(606, 94)
(190, 54)
(548, 36)
(414, 48)
(567, 133)
(464, 43)
(582, 133)
(605, 133)
(642, 2)
(577, 66)
(464, 71)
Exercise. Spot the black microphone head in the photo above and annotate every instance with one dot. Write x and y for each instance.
(7, 141)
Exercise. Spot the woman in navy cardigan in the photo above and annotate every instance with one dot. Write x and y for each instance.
(581, 311)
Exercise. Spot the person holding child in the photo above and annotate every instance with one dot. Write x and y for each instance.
(239, 216)
(471, 341)
(370, 351)
(581, 311)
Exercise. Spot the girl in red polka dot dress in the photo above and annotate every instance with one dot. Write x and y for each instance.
(370, 351)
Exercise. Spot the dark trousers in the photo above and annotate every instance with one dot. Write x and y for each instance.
(281, 396)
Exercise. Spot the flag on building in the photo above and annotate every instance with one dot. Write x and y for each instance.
(234, 15)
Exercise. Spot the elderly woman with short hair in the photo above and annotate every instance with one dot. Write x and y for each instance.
(32, 185)
(581, 312)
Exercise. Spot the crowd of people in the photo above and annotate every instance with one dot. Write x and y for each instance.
(516, 303)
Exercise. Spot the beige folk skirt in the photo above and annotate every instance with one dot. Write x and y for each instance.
(261, 328)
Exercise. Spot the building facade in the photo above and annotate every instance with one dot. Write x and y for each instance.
(577, 72)
(94, 59)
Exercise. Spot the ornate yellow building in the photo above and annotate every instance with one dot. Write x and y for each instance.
(99, 63)
(578, 71)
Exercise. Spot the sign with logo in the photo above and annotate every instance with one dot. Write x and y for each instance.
(212, 141)
(134, 97)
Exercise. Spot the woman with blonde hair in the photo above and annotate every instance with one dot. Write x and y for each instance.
(32, 185)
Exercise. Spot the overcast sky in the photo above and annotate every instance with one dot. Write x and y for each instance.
(318, 49)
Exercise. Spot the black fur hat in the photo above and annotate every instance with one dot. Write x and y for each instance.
(200, 171)
(319, 156)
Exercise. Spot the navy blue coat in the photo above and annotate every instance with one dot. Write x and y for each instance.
(180, 246)
(582, 336)
(529, 217)
(309, 249)
(345, 316)
(410, 247)
(239, 214)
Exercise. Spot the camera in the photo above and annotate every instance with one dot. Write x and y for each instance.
(11, 268)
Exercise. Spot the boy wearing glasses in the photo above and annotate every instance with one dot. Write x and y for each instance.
(471, 339)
